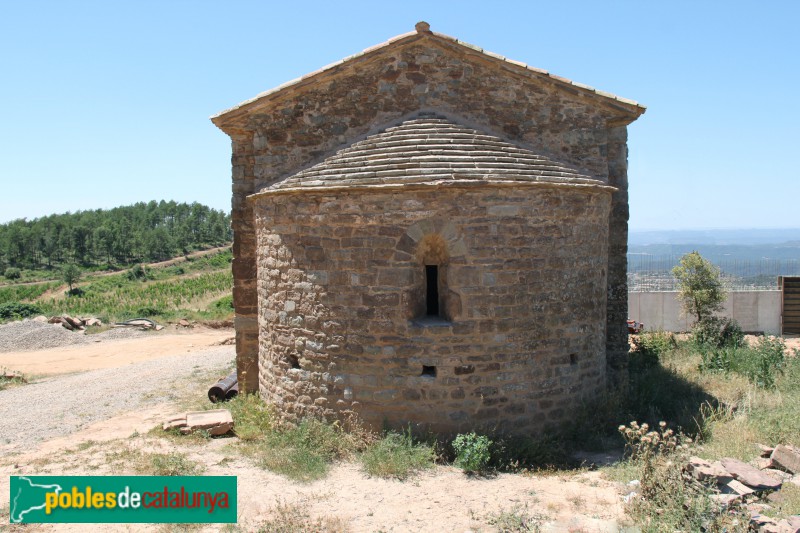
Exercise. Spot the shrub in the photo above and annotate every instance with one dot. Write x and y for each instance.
(472, 452)
(718, 333)
(765, 363)
(225, 303)
(651, 345)
(17, 310)
(13, 273)
(515, 453)
(138, 273)
(148, 311)
(716, 359)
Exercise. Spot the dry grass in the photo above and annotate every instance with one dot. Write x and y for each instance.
(295, 518)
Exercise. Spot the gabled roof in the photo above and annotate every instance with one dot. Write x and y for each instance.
(429, 149)
(423, 32)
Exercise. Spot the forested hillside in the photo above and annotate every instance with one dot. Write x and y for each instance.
(143, 232)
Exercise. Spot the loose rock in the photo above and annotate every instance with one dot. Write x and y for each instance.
(215, 422)
(750, 475)
(703, 470)
(786, 458)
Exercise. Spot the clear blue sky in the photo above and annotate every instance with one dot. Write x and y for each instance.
(106, 103)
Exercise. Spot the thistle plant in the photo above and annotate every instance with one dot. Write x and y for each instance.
(643, 443)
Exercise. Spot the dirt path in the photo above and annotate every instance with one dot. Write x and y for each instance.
(112, 353)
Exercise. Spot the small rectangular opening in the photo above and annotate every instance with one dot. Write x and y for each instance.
(432, 290)
(573, 359)
(428, 371)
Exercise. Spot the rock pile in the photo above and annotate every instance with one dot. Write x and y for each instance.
(740, 482)
(71, 323)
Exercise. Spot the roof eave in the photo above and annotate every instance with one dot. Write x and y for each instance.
(432, 185)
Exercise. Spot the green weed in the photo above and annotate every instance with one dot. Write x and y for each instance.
(761, 363)
(397, 455)
(252, 417)
(302, 452)
(473, 452)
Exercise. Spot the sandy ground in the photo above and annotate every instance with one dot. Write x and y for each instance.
(442, 499)
(112, 353)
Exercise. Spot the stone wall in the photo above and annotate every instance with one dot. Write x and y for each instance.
(339, 280)
(282, 132)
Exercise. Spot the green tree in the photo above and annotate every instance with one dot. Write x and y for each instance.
(699, 286)
(70, 274)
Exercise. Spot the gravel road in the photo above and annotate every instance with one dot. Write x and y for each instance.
(60, 405)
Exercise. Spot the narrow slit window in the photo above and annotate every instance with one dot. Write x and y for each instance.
(432, 290)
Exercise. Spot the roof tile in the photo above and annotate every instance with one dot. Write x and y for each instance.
(430, 148)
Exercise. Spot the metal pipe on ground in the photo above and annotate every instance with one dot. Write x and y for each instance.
(224, 389)
(233, 392)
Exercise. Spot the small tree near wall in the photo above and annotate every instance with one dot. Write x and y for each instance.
(699, 286)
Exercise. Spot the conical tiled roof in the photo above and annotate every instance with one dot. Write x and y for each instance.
(427, 149)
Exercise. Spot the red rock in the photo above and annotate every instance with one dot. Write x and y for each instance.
(750, 475)
(790, 524)
(766, 451)
(786, 458)
(703, 470)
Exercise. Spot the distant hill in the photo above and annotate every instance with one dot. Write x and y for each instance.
(142, 232)
(749, 258)
(715, 236)
(719, 245)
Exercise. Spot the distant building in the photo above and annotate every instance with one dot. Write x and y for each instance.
(429, 233)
